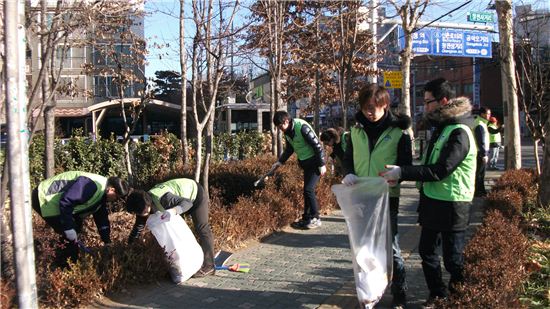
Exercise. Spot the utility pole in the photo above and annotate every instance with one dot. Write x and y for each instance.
(509, 85)
(18, 165)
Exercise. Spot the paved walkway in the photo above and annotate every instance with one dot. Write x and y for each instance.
(291, 269)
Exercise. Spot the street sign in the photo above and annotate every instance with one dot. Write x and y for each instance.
(481, 17)
(393, 79)
(449, 42)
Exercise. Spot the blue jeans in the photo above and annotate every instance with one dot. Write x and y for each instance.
(311, 178)
(493, 156)
(399, 284)
(452, 244)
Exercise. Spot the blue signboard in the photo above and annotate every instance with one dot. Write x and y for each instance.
(449, 42)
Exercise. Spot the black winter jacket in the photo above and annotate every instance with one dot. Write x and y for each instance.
(436, 214)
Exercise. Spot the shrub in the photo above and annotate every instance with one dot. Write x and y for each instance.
(508, 201)
(103, 157)
(239, 211)
(7, 293)
(523, 181)
(494, 265)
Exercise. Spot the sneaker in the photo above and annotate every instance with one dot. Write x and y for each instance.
(431, 302)
(399, 301)
(300, 224)
(314, 223)
(203, 272)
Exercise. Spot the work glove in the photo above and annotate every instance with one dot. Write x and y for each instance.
(71, 235)
(276, 165)
(349, 179)
(178, 210)
(322, 170)
(485, 159)
(392, 174)
(165, 217)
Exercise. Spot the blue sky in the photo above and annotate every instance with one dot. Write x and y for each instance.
(162, 26)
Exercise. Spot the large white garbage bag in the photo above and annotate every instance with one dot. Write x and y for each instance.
(180, 246)
(366, 209)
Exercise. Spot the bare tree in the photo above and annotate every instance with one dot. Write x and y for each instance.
(533, 74)
(122, 49)
(269, 36)
(213, 28)
(410, 13)
(331, 52)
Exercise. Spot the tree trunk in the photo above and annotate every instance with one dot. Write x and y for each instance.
(209, 151)
(544, 188)
(536, 152)
(183, 64)
(513, 140)
(49, 105)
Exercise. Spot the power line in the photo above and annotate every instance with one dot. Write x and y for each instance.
(433, 21)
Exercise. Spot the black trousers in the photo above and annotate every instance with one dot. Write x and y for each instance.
(399, 284)
(199, 214)
(311, 178)
(452, 244)
(480, 177)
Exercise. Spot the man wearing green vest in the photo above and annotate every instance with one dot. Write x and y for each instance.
(495, 141)
(337, 139)
(379, 139)
(179, 196)
(481, 135)
(301, 138)
(446, 179)
(66, 199)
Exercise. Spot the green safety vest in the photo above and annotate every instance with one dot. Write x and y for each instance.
(478, 121)
(494, 138)
(384, 152)
(459, 186)
(51, 190)
(182, 187)
(303, 150)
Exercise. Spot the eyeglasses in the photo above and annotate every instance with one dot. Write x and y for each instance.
(430, 101)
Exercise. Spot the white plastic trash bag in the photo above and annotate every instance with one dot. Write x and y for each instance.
(181, 248)
(365, 206)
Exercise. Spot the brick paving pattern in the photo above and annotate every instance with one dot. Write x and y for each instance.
(292, 269)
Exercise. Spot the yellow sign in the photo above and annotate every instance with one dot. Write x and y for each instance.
(393, 79)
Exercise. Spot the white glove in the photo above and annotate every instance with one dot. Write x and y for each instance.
(485, 159)
(322, 170)
(392, 173)
(70, 235)
(276, 165)
(349, 180)
(165, 217)
(174, 211)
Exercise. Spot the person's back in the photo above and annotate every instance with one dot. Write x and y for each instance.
(179, 196)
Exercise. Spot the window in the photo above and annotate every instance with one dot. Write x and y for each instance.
(106, 86)
(98, 57)
(468, 88)
(63, 53)
(69, 87)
